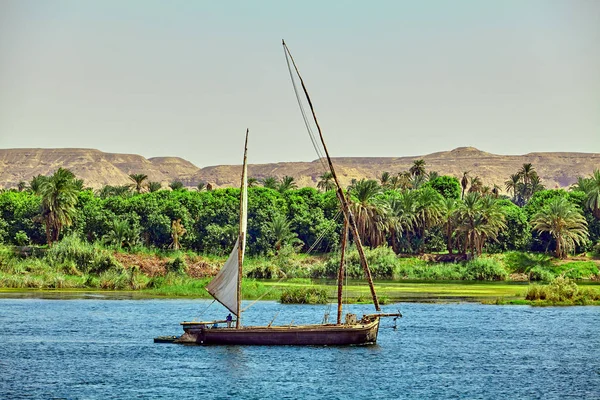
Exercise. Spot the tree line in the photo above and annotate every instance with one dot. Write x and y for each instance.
(413, 211)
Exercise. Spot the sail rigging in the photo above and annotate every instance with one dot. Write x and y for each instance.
(340, 193)
(226, 286)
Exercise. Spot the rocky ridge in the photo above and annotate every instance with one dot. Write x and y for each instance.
(97, 168)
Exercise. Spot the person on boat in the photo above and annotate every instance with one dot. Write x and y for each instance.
(229, 319)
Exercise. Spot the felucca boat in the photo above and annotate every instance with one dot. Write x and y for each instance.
(226, 287)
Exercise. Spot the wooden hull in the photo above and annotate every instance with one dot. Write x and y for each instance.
(306, 335)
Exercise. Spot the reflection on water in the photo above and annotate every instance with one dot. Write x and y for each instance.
(90, 348)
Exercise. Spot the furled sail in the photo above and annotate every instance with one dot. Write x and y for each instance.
(224, 286)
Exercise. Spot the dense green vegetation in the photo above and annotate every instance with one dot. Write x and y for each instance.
(417, 225)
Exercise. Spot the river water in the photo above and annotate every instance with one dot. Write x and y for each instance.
(102, 349)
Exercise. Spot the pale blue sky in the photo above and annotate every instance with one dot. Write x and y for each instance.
(388, 78)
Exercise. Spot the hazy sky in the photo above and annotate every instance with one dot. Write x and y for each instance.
(388, 78)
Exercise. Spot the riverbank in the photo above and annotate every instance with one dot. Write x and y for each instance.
(356, 292)
(73, 266)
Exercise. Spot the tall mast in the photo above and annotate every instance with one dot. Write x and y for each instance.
(340, 193)
(242, 238)
(341, 271)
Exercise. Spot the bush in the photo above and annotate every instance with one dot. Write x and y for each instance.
(21, 238)
(176, 265)
(268, 271)
(87, 258)
(485, 269)
(419, 269)
(561, 290)
(523, 262)
(304, 296)
(596, 250)
(540, 274)
(577, 269)
(381, 263)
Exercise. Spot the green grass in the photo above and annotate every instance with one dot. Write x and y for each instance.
(76, 265)
(416, 291)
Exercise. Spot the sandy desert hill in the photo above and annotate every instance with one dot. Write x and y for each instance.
(97, 168)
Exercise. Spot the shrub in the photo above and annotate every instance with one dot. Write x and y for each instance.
(87, 257)
(485, 269)
(268, 271)
(523, 262)
(304, 296)
(21, 238)
(176, 265)
(561, 290)
(596, 250)
(540, 274)
(577, 269)
(381, 263)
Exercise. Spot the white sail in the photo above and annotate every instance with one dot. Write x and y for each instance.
(223, 287)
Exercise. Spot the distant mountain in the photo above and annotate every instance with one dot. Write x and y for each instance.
(97, 168)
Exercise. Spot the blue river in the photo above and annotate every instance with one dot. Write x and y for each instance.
(94, 348)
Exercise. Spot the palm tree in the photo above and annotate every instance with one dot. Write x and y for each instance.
(286, 183)
(467, 214)
(464, 182)
(138, 180)
(448, 219)
(22, 185)
(252, 182)
(479, 218)
(418, 167)
(593, 193)
(491, 220)
(404, 180)
(496, 191)
(535, 185)
(429, 209)
(433, 175)
(280, 229)
(176, 185)
(326, 182)
(78, 183)
(591, 187)
(564, 222)
(59, 197)
(513, 184)
(36, 183)
(154, 186)
(369, 211)
(402, 215)
(417, 181)
(384, 179)
(476, 185)
(201, 186)
(527, 172)
(118, 233)
(270, 182)
(583, 184)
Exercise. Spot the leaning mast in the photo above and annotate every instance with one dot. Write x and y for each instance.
(340, 193)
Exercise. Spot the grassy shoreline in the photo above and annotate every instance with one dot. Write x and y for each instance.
(497, 293)
(73, 266)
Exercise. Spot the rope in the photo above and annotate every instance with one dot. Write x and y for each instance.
(205, 310)
(263, 295)
(322, 235)
(304, 117)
